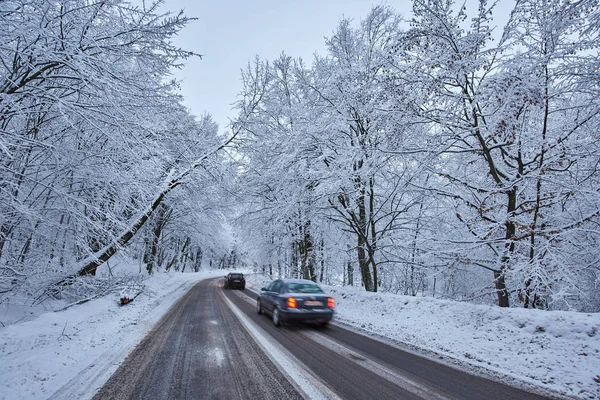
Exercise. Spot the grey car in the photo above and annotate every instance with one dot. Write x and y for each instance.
(289, 300)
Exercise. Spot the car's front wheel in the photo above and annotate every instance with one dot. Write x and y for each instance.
(276, 317)
(258, 306)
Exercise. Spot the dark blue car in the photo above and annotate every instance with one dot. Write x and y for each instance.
(289, 300)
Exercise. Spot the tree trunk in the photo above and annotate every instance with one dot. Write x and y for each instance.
(322, 257)
(198, 261)
(183, 255)
(509, 249)
(5, 231)
(373, 247)
(294, 260)
(363, 262)
(501, 289)
(307, 257)
(538, 194)
(350, 269)
(156, 232)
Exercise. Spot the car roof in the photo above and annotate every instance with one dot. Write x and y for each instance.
(292, 280)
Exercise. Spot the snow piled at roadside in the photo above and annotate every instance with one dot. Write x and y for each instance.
(555, 350)
(70, 354)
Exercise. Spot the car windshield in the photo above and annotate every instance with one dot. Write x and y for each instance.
(237, 276)
(303, 288)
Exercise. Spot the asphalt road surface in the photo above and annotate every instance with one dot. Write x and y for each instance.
(213, 345)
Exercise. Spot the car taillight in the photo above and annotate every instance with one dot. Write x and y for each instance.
(291, 303)
(330, 302)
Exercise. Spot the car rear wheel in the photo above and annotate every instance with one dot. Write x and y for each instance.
(276, 317)
(258, 306)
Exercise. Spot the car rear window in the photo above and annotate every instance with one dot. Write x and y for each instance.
(237, 276)
(303, 288)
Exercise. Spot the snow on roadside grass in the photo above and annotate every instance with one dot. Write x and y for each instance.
(45, 355)
(554, 350)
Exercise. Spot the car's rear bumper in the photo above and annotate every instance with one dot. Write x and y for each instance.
(319, 315)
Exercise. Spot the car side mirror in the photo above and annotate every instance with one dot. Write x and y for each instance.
(263, 289)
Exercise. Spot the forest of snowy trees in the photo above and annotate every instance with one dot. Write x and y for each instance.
(95, 146)
(433, 153)
(437, 155)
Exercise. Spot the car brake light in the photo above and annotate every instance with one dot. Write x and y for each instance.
(330, 302)
(291, 303)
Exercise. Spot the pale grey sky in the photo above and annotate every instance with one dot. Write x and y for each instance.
(229, 33)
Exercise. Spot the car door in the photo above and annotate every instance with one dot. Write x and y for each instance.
(267, 297)
(275, 292)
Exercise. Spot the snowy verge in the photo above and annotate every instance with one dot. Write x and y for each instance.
(71, 353)
(551, 350)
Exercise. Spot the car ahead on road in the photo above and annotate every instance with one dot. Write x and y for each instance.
(288, 300)
(235, 280)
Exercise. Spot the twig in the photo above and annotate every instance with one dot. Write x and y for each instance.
(63, 333)
(81, 301)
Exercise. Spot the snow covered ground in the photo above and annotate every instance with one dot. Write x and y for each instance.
(554, 350)
(70, 354)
